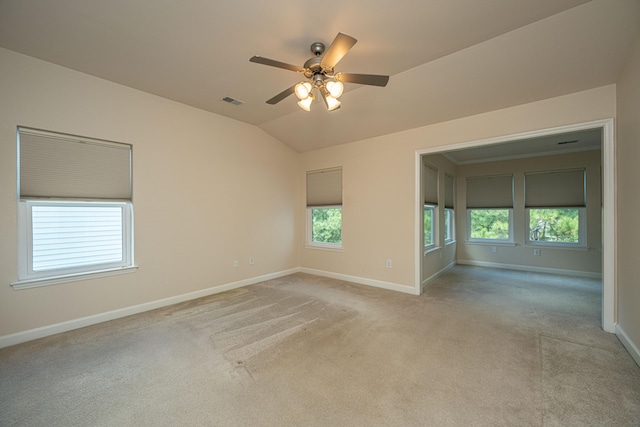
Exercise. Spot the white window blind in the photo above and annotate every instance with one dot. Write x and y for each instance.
(67, 236)
(430, 185)
(68, 167)
(490, 192)
(324, 187)
(448, 191)
(555, 189)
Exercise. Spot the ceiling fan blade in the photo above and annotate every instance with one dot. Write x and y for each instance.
(338, 49)
(282, 95)
(363, 79)
(273, 63)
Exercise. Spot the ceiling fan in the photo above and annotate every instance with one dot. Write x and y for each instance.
(321, 76)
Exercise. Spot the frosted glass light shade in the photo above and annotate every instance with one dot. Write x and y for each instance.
(305, 104)
(331, 102)
(335, 88)
(303, 89)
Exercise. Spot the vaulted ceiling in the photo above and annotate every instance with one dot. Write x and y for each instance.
(447, 59)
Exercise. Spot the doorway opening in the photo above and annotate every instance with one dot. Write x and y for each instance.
(608, 201)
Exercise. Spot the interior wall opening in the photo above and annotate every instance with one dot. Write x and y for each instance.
(568, 141)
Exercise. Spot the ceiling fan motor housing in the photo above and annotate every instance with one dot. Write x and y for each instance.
(313, 67)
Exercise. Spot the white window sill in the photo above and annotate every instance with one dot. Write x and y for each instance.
(490, 242)
(431, 249)
(556, 246)
(55, 280)
(332, 248)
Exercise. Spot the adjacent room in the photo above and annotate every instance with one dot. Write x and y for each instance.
(263, 213)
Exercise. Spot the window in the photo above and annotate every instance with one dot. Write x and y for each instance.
(490, 224)
(69, 237)
(430, 206)
(449, 223)
(429, 226)
(555, 207)
(75, 214)
(563, 226)
(326, 225)
(490, 208)
(324, 208)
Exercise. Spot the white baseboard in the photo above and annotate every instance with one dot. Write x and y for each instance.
(633, 349)
(531, 269)
(32, 334)
(361, 280)
(434, 276)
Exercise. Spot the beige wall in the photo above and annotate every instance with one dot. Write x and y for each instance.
(628, 191)
(207, 190)
(565, 261)
(379, 181)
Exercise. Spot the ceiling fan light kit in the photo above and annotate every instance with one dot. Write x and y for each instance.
(305, 104)
(335, 88)
(320, 75)
(303, 90)
(329, 101)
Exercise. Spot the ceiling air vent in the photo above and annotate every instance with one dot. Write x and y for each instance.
(232, 101)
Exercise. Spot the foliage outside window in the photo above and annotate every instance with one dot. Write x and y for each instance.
(429, 221)
(490, 224)
(554, 226)
(326, 225)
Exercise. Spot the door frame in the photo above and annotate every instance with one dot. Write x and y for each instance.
(609, 279)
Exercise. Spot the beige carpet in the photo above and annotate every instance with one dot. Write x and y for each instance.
(481, 347)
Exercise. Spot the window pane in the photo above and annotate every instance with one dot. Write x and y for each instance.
(428, 225)
(326, 225)
(74, 236)
(447, 224)
(554, 225)
(489, 224)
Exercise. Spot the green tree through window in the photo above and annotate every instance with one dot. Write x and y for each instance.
(554, 225)
(489, 224)
(428, 225)
(326, 225)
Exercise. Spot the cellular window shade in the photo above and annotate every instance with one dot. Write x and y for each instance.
(448, 191)
(324, 187)
(68, 167)
(490, 192)
(555, 189)
(430, 185)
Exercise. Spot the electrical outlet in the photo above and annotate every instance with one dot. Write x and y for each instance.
(536, 252)
(494, 249)
(235, 262)
(251, 261)
(389, 264)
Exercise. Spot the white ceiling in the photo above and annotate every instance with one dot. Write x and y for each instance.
(561, 143)
(446, 58)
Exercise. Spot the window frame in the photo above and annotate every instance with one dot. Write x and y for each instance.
(509, 240)
(582, 231)
(310, 243)
(28, 278)
(434, 228)
(449, 229)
